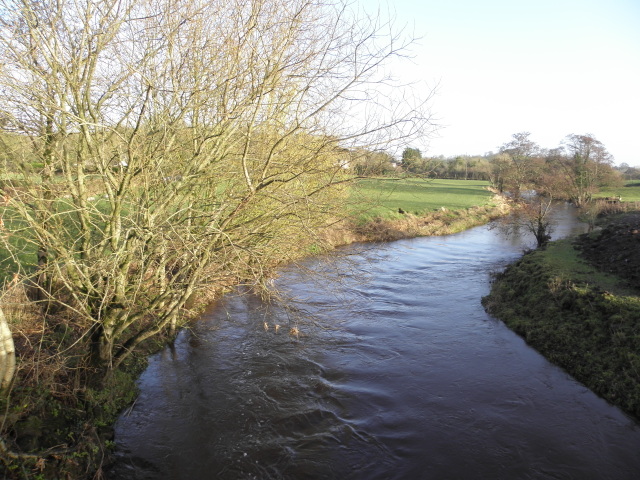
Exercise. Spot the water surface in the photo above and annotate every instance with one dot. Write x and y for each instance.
(396, 373)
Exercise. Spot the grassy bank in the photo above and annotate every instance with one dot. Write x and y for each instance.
(581, 318)
(390, 209)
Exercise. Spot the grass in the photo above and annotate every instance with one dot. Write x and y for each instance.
(384, 198)
(562, 260)
(630, 192)
(18, 250)
(579, 318)
(382, 210)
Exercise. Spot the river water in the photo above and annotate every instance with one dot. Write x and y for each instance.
(396, 373)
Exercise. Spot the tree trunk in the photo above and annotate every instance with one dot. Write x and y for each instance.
(7, 353)
(102, 346)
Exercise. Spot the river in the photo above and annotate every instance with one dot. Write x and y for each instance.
(396, 372)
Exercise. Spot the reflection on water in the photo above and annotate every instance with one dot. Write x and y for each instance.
(397, 373)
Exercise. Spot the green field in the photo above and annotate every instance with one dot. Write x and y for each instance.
(630, 192)
(384, 198)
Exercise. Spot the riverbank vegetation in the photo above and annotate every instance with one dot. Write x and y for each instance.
(578, 303)
(405, 207)
(155, 153)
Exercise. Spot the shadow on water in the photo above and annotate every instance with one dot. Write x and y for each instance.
(400, 375)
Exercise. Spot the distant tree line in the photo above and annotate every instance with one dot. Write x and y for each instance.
(628, 173)
(578, 167)
(574, 171)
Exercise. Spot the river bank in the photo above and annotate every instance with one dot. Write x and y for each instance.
(577, 302)
(397, 372)
(56, 428)
(443, 221)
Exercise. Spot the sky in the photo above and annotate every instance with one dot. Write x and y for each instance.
(548, 67)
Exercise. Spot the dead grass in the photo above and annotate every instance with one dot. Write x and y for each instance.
(38, 346)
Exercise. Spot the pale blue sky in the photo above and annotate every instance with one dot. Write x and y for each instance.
(550, 67)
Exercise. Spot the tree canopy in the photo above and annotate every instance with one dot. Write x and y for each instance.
(168, 146)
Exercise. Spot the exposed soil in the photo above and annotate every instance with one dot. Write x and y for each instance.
(615, 248)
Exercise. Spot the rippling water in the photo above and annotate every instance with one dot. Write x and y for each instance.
(397, 373)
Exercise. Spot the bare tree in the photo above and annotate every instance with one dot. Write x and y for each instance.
(515, 165)
(584, 164)
(518, 167)
(171, 146)
(533, 215)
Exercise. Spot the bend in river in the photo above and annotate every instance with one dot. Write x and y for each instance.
(397, 373)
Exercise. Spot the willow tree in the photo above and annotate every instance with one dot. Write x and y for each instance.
(170, 145)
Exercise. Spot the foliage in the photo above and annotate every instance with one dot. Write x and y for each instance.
(521, 164)
(412, 160)
(628, 172)
(574, 172)
(461, 167)
(371, 163)
(515, 168)
(581, 167)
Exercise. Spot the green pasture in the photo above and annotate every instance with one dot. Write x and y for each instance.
(386, 197)
(630, 192)
(16, 252)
